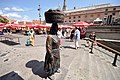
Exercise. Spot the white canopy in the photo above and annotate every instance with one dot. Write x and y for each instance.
(98, 19)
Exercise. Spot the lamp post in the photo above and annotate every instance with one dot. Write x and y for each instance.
(39, 13)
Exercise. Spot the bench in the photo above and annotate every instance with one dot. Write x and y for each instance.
(10, 37)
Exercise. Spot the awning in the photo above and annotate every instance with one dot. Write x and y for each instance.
(42, 26)
(65, 27)
(81, 24)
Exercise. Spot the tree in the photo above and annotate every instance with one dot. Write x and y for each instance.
(4, 21)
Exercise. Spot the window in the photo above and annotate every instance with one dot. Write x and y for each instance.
(78, 16)
(114, 8)
(69, 17)
(85, 16)
(73, 20)
(74, 17)
(113, 13)
(105, 13)
(91, 15)
(106, 9)
(78, 20)
(104, 18)
(69, 21)
(113, 18)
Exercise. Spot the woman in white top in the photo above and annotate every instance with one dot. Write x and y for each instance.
(59, 34)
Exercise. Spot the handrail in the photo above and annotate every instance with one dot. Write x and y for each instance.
(112, 50)
(108, 48)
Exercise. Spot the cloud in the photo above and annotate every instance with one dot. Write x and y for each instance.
(1, 12)
(12, 13)
(26, 18)
(14, 9)
(7, 9)
(18, 17)
(15, 15)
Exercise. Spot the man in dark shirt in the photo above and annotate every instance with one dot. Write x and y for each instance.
(93, 37)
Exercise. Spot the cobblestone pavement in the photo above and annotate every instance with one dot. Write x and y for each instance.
(20, 62)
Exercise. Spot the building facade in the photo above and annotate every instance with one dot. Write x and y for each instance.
(38, 22)
(8, 19)
(106, 12)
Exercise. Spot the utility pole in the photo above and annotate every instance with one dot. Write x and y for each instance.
(39, 13)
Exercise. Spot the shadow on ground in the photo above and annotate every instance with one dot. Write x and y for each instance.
(68, 41)
(68, 47)
(10, 43)
(37, 68)
(11, 76)
(106, 53)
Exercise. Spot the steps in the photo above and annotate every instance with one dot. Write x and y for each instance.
(95, 66)
(75, 64)
(106, 59)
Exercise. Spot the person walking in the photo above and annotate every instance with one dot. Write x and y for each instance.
(77, 38)
(59, 34)
(92, 36)
(32, 37)
(72, 35)
(52, 57)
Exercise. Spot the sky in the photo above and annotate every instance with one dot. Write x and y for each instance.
(27, 10)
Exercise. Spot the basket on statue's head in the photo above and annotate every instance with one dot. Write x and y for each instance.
(54, 16)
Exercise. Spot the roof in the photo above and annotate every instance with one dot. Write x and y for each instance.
(89, 8)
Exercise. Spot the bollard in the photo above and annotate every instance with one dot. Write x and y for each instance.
(114, 62)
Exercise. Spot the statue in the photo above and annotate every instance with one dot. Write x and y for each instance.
(52, 57)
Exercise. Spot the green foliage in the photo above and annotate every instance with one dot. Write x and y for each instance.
(4, 21)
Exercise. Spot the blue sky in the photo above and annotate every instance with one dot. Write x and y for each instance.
(26, 10)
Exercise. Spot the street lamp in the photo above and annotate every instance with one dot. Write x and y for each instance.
(39, 13)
